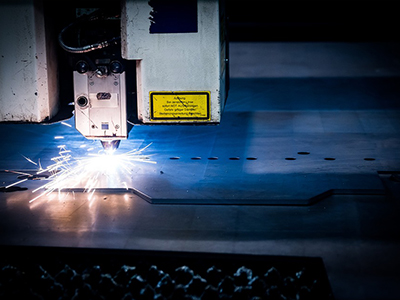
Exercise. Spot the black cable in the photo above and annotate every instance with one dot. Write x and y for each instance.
(87, 48)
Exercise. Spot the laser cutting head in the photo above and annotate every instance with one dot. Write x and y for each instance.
(100, 106)
(94, 52)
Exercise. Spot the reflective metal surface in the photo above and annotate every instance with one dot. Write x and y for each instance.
(256, 156)
(282, 141)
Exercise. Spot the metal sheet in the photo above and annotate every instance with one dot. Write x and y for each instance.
(255, 156)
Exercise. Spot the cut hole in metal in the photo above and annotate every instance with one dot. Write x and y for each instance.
(369, 159)
(303, 153)
(174, 158)
(196, 158)
(330, 158)
(290, 158)
(234, 158)
(213, 158)
(251, 158)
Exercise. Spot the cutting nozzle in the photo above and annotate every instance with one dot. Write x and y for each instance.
(110, 146)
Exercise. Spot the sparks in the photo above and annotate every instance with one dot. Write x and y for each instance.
(15, 183)
(30, 160)
(66, 124)
(125, 185)
(69, 172)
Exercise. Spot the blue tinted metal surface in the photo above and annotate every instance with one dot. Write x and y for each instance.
(280, 142)
(280, 155)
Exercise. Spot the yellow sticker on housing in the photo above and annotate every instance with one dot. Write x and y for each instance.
(180, 106)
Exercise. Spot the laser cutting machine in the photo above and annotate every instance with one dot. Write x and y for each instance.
(132, 63)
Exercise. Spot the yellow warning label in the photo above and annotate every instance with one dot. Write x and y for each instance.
(180, 106)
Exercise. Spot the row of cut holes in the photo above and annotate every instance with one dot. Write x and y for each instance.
(331, 158)
(326, 158)
(255, 158)
(213, 158)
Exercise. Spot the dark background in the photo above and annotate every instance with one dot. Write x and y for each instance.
(323, 20)
(287, 20)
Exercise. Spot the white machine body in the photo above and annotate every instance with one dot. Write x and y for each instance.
(29, 89)
(181, 76)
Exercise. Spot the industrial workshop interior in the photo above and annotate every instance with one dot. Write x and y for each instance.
(199, 149)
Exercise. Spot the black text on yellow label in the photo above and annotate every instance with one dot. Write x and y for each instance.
(180, 106)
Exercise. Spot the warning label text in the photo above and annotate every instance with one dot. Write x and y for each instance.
(180, 106)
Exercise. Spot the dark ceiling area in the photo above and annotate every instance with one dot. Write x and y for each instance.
(286, 20)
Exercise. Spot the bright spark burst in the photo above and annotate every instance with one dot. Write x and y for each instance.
(68, 172)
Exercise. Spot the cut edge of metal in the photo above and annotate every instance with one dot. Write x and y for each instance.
(250, 201)
(349, 192)
(114, 190)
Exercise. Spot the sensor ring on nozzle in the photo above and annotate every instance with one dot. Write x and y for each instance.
(82, 101)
